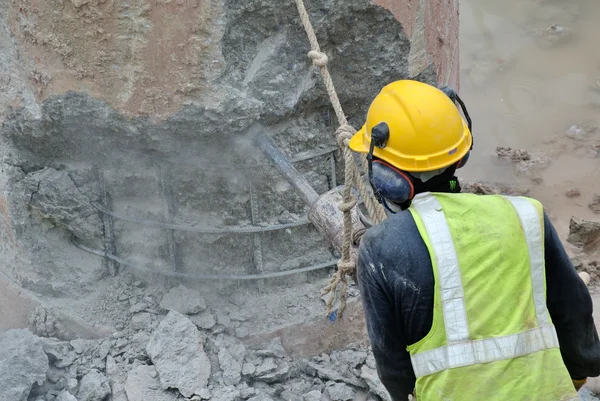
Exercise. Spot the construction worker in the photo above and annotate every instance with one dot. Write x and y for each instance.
(467, 297)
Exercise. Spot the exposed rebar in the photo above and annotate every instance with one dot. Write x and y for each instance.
(109, 230)
(231, 277)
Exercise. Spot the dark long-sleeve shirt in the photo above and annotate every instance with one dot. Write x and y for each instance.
(396, 282)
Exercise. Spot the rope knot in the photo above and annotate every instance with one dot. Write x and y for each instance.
(346, 267)
(347, 206)
(344, 133)
(319, 58)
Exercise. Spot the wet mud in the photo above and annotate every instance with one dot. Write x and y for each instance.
(530, 78)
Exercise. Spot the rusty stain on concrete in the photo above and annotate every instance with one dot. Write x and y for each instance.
(144, 58)
(433, 28)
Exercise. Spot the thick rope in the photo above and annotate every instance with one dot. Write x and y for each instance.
(352, 174)
(320, 59)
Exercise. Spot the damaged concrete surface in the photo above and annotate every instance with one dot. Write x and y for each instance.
(150, 124)
(118, 365)
(126, 171)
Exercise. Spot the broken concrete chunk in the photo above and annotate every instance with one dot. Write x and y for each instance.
(272, 375)
(268, 365)
(65, 396)
(59, 200)
(204, 320)
(65, 361)
(93, 387)
(583, 232)
(238, 316)
(104, 349)
(595, 204)
(223, 320)
(141, 321)
(553, 35)
(340, 392)
(578, 132)
(242, 332)
(248, 369)
(72, 384)
(274, 349)
(375, 386)
(138, 307)
(80, 345)
(232, 369)
(176, 350)
(287, 395)
(142, 384)
(204, 394)
(246, 392)
(261, 397)
(314, 395)
(54, 350)
(516, 155)
(327, 373)
(183, 300)
(348, 358)
(23, 362)
(225, 393)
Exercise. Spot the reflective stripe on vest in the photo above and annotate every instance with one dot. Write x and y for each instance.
(460, 350)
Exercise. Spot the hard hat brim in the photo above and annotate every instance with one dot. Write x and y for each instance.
(357, 142)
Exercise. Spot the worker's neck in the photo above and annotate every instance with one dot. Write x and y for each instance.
(451, 186)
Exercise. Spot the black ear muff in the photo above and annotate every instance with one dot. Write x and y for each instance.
(464, 160)
(391, 183)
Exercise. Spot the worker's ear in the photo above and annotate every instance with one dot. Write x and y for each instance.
(393, 184)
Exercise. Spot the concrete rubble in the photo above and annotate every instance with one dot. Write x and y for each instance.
(583, 232)
(525, 163)
(23, 364)
(178, 360)
(176, 349)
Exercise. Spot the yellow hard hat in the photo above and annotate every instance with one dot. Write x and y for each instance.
(426, 130)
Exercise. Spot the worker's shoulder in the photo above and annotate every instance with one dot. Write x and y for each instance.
(467, 198)
(398, 228)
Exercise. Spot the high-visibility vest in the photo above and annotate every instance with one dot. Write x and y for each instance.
(492, 338)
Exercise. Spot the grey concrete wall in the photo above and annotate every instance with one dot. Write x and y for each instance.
(148, 101)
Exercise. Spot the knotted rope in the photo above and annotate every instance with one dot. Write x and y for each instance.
(352, 175)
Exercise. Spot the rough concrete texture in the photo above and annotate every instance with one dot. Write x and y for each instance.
(183, 300)
(22, 364)
(124, 367)
(177, 352)
(142, 384)
(141, 108)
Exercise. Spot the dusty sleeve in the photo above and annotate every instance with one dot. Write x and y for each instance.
(383, 324)
(570, 306)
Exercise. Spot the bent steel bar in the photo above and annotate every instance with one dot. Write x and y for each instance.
(163, 271)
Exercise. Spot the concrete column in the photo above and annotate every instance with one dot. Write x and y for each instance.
(432, 26)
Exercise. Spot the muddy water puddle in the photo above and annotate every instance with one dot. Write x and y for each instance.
(530, 70)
